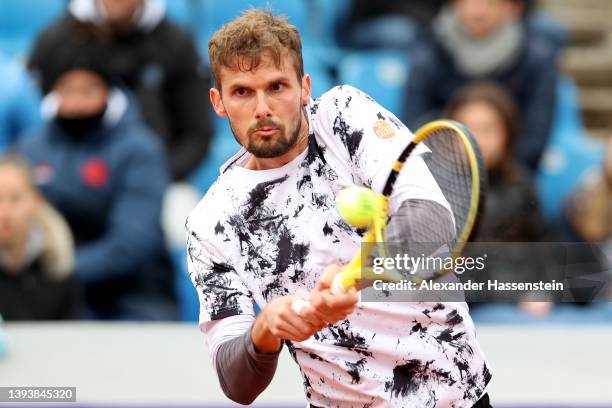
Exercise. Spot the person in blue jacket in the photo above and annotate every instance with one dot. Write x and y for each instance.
(19, 103)
(486, 40)
(105, 171)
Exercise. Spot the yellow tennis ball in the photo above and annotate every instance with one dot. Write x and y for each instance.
(357, 205)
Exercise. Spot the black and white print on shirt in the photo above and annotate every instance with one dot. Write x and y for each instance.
(258, 235)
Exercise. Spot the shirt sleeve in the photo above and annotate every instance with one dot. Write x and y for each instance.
(243, 371)
(371, 138)
(221, 331)
(221, 291)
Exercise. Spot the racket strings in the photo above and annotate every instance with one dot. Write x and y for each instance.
(425, 228)
(418, 230)
(450, 166)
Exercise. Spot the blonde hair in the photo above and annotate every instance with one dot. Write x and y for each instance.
(57, 255)
(240, 44)
(20, 163)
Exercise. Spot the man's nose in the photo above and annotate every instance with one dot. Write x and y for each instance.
(262, 110)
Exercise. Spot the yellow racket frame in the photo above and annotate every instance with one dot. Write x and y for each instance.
(354, 273)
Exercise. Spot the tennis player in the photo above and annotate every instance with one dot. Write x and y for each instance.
(267, 232)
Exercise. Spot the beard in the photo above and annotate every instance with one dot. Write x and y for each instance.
(275, 146)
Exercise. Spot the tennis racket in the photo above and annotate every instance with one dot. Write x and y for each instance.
(422, 226)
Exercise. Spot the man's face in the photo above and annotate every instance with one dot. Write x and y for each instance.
(82, 93)
(121, 11)
(18, 205)
(264, 106)
(481, 18)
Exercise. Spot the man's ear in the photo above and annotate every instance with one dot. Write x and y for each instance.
(306, 89)
(217, 102)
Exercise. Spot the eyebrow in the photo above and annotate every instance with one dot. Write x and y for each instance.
(240, 84)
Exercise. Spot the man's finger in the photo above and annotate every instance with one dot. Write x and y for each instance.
(290, 335)
(328, 276)
(297, 323)
(335, 316)
(311, 316)
(339, 301)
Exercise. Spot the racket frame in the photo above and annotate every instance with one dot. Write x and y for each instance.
(354, 273)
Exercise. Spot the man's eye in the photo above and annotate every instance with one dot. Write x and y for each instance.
(277, 86)
(241, 91)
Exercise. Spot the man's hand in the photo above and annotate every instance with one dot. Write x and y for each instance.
(278, 321)
(326, 307)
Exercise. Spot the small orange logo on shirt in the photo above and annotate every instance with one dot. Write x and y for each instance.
(383, 129)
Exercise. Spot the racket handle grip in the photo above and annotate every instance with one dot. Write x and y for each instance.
(298, 305)
(337, 288)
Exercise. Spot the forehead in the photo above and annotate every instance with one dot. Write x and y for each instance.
(483, 4)
(122, 4)
(13, 176)
(80, 77)
(265, 71)
(478, 111)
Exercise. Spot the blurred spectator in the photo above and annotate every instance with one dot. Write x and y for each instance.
(511, 212)
(154, 58)
(387, 24)
(19, 103)
(486, 39)
(589, 209)
(589, 212)
(36, 251)
(105, 171)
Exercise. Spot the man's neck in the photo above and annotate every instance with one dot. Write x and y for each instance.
(258, 163)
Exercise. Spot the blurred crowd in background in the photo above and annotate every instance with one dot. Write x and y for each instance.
(108, 139)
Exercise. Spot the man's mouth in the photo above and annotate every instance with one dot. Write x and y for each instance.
(265, 131)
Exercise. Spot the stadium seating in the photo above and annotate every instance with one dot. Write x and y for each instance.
(316, 20)
(184, 12)
(380, 74)
(569, 154)
(21, 21)
(215, 14)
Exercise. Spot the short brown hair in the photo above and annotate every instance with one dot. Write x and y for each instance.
(505, 106)
(240, 44)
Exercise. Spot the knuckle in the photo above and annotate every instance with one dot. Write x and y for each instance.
(317, 302)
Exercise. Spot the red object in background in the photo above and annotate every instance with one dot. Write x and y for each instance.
(95, 173)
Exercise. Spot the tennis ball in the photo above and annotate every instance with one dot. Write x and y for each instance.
(357, 205)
